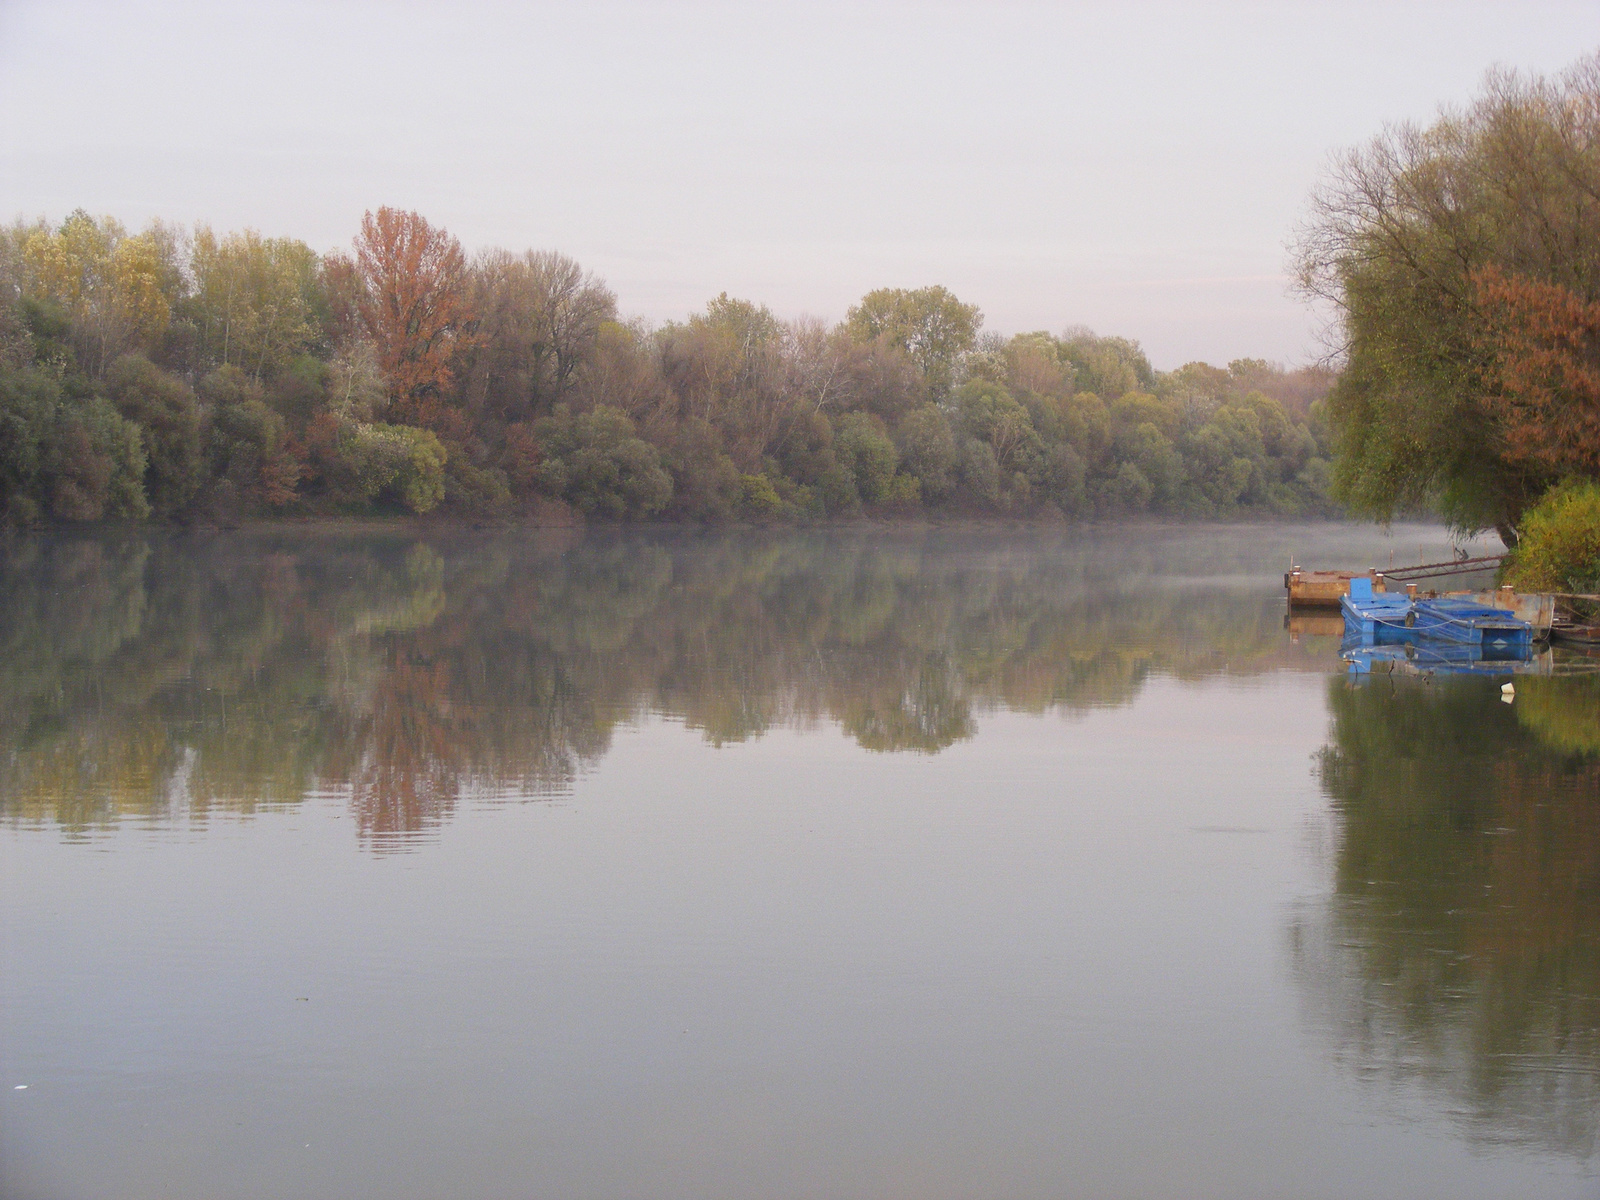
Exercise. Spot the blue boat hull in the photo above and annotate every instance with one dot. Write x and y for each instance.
(1382, 619)
(1376, 620)
(1455, 620)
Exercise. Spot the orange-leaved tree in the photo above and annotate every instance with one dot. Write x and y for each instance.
(413, 307)
(1542, 344)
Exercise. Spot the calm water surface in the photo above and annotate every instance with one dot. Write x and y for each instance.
(994, 863)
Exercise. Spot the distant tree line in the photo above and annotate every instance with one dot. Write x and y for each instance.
(179, 374)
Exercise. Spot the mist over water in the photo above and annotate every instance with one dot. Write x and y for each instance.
(949, 862)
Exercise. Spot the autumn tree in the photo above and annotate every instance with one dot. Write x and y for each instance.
(933, 327)
(412, 306)
(1542, 346)
(108, 283)
(252, 299)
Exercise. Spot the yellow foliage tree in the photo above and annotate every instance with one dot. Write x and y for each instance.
(250, 298)
(107, 283)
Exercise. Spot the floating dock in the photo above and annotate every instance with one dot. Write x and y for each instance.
(1324, 589)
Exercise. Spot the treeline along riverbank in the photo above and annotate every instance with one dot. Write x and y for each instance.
(180, 375)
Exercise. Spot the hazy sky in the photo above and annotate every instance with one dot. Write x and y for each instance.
(1135, 168)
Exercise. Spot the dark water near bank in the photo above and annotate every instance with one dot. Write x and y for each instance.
(874, 864)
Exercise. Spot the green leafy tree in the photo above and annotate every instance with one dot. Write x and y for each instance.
(253, 299)
(865, 449)
(1396, 241)
(168, 417)
(928, 449)
(96, 465)
(599, 464)
(990, 414)
(1560, 545)
(757, 497)
(929, 324)
(1107, 366)
(398, 460)
(30, 401)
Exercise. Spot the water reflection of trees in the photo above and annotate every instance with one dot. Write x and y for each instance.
(1461, 947)
(200, 672)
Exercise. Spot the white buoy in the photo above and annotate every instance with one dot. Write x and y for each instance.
(1508, 689)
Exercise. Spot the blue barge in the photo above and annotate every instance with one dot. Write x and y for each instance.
(1451, 619)
(1377, 618)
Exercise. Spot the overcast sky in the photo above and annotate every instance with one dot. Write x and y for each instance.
(1135, 168)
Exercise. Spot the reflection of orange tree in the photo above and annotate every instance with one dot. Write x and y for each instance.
(203, 674)
(414, 747)
(1462, 944)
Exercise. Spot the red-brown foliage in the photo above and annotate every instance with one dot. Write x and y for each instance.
(523, 456)
(1543, 345)
(281, 473)
(413, 308)
(342, 285)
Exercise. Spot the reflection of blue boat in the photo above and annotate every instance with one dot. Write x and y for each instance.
(1423, 655)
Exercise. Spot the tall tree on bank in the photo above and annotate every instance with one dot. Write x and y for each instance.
(933, 327)
(1401, 240)
(252, 298)
(412, 305)
(535, 319)
(107, 283)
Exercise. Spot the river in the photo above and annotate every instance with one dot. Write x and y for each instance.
(952, 862)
